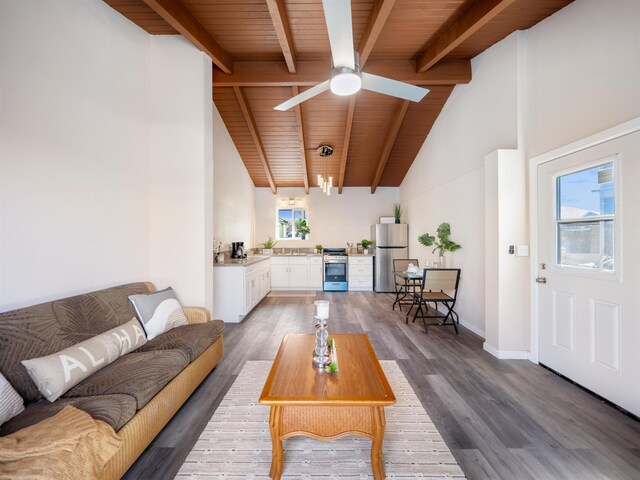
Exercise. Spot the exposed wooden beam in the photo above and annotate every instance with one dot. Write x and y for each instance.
(347, 140)
(253, 129)
(280, 22)
(475, 17)
(388, 144)
(310, 73)
(377, 18)
(305, 170)
(180, 18)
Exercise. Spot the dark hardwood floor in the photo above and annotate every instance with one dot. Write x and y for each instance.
(503, 419)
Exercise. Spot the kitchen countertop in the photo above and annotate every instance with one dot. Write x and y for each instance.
(296, 255)
(260, 258)
(236, 262)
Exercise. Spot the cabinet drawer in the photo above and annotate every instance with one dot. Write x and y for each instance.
(298, 261)
(252, 268)
(279, 260)
(315, 260)
(360, 283)
(360, 270)
(360, 260)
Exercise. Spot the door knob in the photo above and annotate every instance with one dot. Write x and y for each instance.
(541, 279)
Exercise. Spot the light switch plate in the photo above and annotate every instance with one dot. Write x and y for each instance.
(522, 251)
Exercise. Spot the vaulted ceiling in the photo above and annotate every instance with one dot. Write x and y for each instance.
(266, 51)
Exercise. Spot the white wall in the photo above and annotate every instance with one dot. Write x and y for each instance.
(574, 74)
(234, 203)
(506, 274)
(106, 168)
(583, 72)
(446, 181)
(74, 183)
(181, 171)
(334, 219)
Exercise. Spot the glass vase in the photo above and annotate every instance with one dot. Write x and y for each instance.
(320, 358)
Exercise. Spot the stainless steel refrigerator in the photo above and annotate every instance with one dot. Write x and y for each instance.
(390, 243)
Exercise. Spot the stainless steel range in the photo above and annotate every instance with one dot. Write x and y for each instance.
(335, 269)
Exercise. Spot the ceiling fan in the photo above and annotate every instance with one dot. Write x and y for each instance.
(346, 77)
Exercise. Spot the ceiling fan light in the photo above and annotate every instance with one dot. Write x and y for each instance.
(345, 82)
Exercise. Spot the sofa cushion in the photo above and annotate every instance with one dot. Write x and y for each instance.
(191, 339)
(140, 375)
(116, 410)
(56, 373)
(41, 330)
(158, 312)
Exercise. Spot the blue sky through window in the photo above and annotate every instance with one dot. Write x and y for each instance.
(586, 193)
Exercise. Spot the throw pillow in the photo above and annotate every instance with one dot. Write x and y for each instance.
(11, 403)
(158, 311)
(58, 372)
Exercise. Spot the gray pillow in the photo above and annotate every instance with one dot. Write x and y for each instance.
(158, 311)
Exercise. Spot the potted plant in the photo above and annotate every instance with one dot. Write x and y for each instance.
(365, 246)
(268, 246)
(302, 229)
(319, 248)
(397, 212)
(444, 244)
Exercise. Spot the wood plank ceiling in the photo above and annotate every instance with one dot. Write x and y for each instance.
(266, 51)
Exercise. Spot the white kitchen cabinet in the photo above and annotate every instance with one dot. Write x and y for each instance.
(315, 273)
(361, 273)
(238, 288)
(299, 276)
(296, 272)
(279, 272)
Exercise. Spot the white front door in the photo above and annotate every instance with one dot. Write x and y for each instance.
(589, 255)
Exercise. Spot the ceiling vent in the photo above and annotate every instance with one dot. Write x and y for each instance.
(324, 150)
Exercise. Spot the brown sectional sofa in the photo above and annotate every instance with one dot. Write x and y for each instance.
(138, 393)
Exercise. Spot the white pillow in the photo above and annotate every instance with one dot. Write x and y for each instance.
(11, 404)
(55, 374)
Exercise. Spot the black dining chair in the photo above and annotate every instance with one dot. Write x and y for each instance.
(439, 285)
(402, 286)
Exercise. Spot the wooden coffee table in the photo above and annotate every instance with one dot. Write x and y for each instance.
(306, 401)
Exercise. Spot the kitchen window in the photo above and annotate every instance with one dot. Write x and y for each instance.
(291, 224)
(585, 218)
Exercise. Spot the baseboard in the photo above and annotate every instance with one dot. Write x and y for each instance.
(468, 325)
(472, 327)
(506, 354)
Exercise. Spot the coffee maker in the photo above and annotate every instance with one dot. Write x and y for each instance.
(237, 250)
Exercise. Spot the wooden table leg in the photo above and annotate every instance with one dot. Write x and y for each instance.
(377, 463)
(275, 426)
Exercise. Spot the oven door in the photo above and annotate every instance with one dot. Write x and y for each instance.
(335, 272)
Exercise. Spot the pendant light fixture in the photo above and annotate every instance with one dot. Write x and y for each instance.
(324, 182)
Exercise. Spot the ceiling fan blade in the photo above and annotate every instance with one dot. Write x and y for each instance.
(306, 95)
(393, 87)
(337, 14)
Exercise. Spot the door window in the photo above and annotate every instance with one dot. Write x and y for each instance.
(585, 218)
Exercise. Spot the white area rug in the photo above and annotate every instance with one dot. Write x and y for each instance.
(236, 443)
